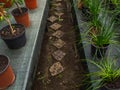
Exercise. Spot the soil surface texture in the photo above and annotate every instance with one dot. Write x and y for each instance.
(59, 66)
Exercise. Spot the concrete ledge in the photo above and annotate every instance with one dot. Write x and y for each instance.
(24, 60)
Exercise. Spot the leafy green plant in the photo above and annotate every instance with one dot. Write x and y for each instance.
(6, 18)
(116, 14)
(105, 34)
(94, 9)
(106, 72)
(115, 2)
(17, 2)
(94, 6)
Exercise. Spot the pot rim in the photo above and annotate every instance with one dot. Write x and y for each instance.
(8, 59)
(15, 36)
(19, 14)
(111, 88)
(99, 46)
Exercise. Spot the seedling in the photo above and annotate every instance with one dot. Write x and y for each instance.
(60, 19)
(4, 16)
(60, 76)
(107, 72)
(17, 2)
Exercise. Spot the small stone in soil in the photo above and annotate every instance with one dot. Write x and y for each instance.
(48, 81)
(50, 38)
(38, 73)
(55, 26)
(58, 0)
(58, 34)
(2, 32)
(59, 9)
(56, 69)
(52, 19)
(59, 13)
(61, 84)
(59, 43)
(57, 5)
(58, 55)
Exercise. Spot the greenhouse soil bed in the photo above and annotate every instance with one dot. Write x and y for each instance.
(71, 77)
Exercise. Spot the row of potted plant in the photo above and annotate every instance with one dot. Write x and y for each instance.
(30, 4)
(13, 35)
(101, 17)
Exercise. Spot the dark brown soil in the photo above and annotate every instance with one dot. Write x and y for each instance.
(16, 11)
(3, 62)
(6, 31)
(70, 78)
(114, 85)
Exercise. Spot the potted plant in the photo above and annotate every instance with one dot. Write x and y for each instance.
(106, 74)
(91, 8)
(21, 14)
(7, 76)
(116, 14)
(12, 34)
(113, 4)
(101, 36)
(31, 4)
(85, 10)
(7, 3)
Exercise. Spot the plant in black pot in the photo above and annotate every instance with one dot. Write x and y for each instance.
(12, 34)
(91, 8)
(21, 14)
(113, 4)
(101, 36)
(101, 40)
(106, 74)
(116, 14)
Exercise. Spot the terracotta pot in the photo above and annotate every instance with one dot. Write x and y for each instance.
(7, 76)
(31, 4)
(7, 4)
(17, 41)
(21, 18)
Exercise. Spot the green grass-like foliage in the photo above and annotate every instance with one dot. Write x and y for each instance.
(18, 1)
(94, 6)
(115, 2)
(104, 35)
(107, 72)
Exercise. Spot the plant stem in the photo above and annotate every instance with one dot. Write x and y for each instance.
(8, 21)
(18, 6)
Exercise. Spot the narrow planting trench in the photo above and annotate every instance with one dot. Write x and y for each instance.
(59, 66)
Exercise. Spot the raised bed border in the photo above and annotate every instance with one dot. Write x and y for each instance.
(83, 50)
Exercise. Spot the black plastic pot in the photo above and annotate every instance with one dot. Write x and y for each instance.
(111, 6)
(108, 88)
(17, 41)
(98, 51)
